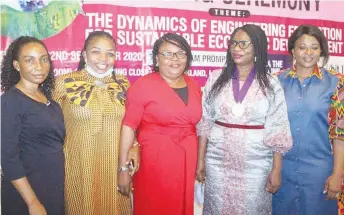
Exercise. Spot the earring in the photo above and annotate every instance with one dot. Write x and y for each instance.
(255, 59)
(85, 63)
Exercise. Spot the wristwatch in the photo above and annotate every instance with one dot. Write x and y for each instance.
(123, 169)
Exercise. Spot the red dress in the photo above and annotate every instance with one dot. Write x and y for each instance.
(164, 184)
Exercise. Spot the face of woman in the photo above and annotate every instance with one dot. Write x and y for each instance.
(100, 54)
(241, 48)
(33, 63)
(306, 51)
(171, 60)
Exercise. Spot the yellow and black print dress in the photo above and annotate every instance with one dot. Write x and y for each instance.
(93, 109)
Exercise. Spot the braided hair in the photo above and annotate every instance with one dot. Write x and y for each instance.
(176, 40)
(10, 76)
(94, 35)
(260, 44)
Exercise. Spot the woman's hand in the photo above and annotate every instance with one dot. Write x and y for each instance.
(200, 170)
(36, 208)
(124, 183)
(134, 157)
(333, 185)
(273, 182)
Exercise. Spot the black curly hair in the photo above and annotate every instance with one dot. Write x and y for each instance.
(260, 44)
(176, 40)
(312, 31)
(10, 76)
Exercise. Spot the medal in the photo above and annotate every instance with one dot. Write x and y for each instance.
(238, 108)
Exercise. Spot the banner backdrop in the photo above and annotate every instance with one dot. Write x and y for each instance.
(206, 24)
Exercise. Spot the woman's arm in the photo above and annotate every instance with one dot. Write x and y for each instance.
(126, 142)
(12, 166)
(338, 154)
(202, 148)
(274, 179)
(24, 188)
(333, 183)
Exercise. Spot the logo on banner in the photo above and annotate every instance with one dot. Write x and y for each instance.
(38, 18)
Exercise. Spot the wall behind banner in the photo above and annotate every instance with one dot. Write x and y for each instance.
(207, 25)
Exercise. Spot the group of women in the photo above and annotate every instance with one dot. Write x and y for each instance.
(262, 143)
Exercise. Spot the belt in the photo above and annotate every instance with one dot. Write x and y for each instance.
(227, 125)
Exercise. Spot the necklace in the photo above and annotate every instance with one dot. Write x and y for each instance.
(238, 108)
(34, 96)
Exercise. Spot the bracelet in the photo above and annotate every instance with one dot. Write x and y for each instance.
(136, 143)
(123, 169)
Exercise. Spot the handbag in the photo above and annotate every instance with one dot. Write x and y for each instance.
(199, 193)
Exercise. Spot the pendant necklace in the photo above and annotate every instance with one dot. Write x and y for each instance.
(238, 108)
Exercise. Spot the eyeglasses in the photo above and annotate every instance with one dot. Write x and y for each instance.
(243, 44)
(170, 55)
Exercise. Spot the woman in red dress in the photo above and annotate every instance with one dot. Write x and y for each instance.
(163, 108)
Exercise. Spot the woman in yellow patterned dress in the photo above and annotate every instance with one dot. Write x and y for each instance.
(92, 101)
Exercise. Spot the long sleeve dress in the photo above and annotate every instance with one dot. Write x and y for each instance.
(93, 109)
(315, 110)
(238, 161)
(32, 136)
(164, 184)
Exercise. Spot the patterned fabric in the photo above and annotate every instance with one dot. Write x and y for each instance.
(292, 73)
(80, 92)
(315, 115)
(238, 161)
(93, 110)
(336, 113)
(336, 116)
(341, 202)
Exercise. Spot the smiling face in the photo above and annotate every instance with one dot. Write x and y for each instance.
(171, 60)
(243, 55)
(100, 54)
(307, 51)
(33, 63)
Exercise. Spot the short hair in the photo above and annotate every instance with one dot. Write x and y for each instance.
(10, 76)
(176, 40)
(313, 31)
